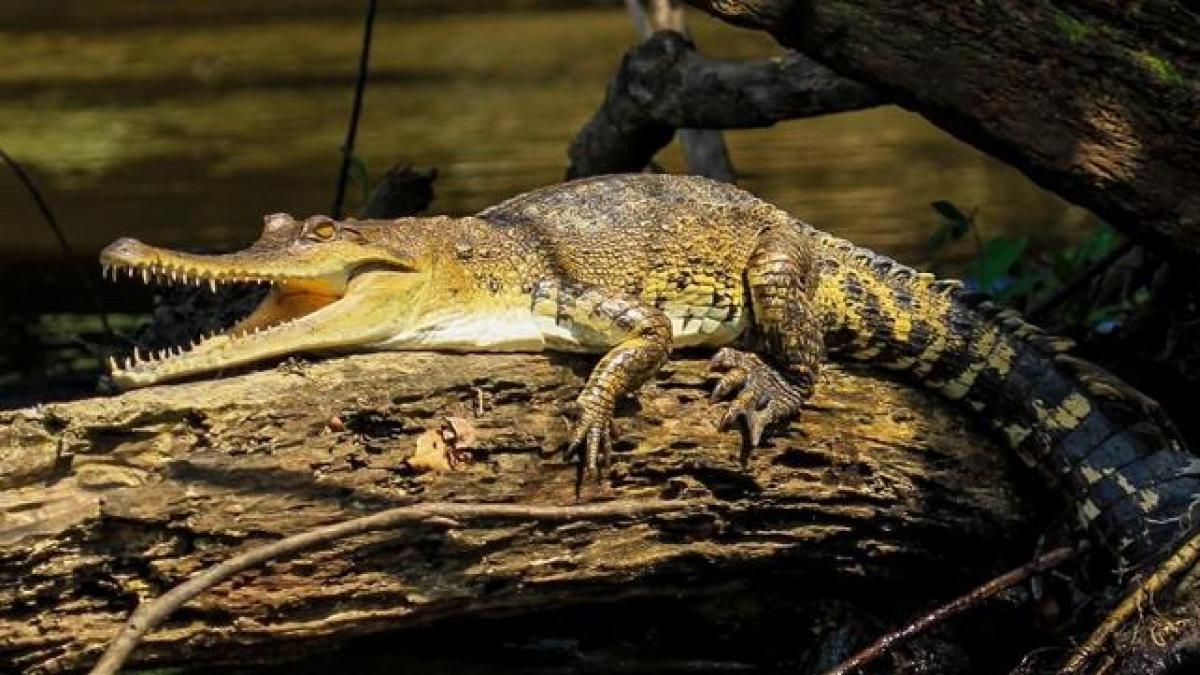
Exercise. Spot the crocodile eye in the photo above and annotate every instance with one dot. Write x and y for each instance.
(325, 231)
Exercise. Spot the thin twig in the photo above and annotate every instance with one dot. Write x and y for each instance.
(1184, 557)
(976, 596)
(65, 245)
(360, 85)
(150, 614)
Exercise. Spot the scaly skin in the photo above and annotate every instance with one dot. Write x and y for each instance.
(633, 265)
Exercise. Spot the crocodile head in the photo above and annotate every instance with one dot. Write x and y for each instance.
(333, 284)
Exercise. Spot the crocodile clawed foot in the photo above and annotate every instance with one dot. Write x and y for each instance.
(764, 397)
(591, 445)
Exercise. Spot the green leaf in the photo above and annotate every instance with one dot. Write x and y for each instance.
(955, 223)
(1022, 286)
(939, 238)
(1111, 312)
(997, 258)
(950, 212)
(1098, 244)
(1062, 265)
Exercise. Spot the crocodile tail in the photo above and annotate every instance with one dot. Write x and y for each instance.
(1112, 450)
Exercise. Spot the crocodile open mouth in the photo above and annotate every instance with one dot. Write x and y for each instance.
(300, 312)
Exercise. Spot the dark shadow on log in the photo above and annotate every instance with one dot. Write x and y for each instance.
(664, 85)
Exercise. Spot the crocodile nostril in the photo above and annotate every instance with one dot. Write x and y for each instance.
(276, 221)
(122, 246)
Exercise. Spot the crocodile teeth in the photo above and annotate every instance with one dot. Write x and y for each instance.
(212, 284)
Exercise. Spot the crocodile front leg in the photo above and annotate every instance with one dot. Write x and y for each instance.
(640, 337)
(780, 277)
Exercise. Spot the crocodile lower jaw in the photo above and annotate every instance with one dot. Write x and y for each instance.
(286, 304)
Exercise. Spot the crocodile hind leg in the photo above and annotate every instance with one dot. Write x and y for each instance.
(771, 388)
(641, 335)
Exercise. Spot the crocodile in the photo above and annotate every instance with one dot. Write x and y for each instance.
(630, 267)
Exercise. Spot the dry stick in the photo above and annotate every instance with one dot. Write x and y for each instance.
(48, 216)
(360, 85)
(1183, 558)
(979, 594)
(150, 614)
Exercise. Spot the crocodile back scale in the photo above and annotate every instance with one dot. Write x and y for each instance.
(631, 266)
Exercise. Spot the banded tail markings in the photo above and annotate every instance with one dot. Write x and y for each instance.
(1112, 450)
(960, 363)
(1118, 398)
(980, 353)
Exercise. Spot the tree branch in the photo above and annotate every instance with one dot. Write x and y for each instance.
(664, 85)
(1180, 561)
(705, 149)
(956, 606)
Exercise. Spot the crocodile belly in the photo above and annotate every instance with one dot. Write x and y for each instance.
(691, 326)
(708, 326)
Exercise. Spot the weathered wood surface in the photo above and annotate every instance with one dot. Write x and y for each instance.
(109, 500)
(1096, 101)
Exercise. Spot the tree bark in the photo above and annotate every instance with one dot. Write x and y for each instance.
(1094, 101)
(107, 501)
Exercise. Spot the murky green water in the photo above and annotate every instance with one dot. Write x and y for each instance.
(184, 131)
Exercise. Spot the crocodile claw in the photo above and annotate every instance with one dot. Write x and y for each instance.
(764, 397)
(730, 382)
(591, 444)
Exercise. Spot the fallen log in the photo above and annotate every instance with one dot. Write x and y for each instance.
(106, 502)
